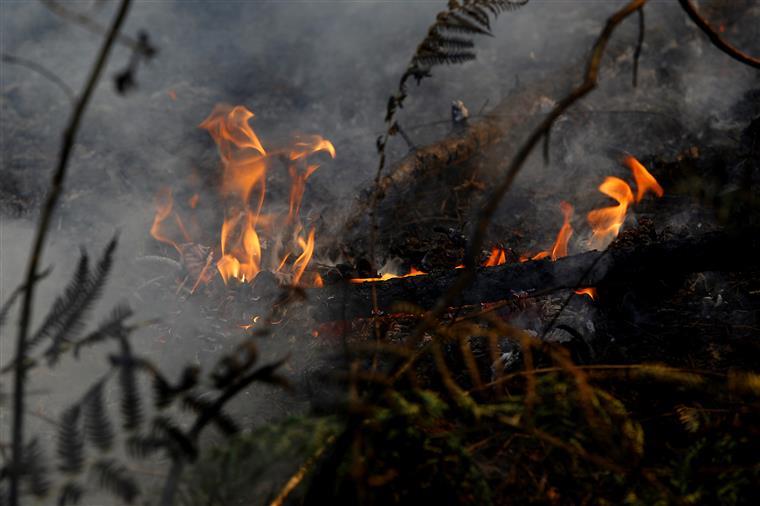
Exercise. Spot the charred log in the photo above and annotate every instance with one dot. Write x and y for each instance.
(624, 263)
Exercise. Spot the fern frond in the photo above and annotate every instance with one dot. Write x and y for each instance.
(444, 58)
(131, 407)
(73, 321)
(5, 309)
(116, 479)
(165, 427)
(221, 419)
(34, 469)
(57, 315)
(71, 493)
(164, 393)
(97, 424)
(113, 326)
(457, 23)
(70, 441)
(141, 447)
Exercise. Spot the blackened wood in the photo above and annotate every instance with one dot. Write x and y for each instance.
(624, 263)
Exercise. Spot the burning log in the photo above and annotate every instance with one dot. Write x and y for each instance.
(626, 262)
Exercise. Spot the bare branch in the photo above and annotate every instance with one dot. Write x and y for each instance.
(715, 37)
(56, 188)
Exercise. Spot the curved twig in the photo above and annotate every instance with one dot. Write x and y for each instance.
(56, 188)
(44, 72)
(715, 37)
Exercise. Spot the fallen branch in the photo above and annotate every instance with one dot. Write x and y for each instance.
(622, 265)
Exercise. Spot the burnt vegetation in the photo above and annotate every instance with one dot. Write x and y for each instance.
(443, 398)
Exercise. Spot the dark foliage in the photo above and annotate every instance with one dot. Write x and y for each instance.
(97, 425)
(71, 440)
(222, 420)
(71, 493)
(112, 327)
(34, 471)
(115, 478)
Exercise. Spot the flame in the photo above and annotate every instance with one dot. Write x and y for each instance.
(559, 249)
(193, 201)
(644, 180)
(299, 266)
(386, 276)
(590, 291)
(243, 156)
(498, 257)
(164, 203)
(606, 222)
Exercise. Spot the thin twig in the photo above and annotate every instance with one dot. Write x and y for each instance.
(715, 37)
(639, 45)
(44, 72)
(56, 188)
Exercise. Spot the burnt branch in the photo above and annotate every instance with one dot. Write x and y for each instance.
(715, 37)
(56, 188)
(617, 266)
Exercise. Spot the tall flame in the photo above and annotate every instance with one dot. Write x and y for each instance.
(644, 180)
(606, 222)
(559, 249)
(245, 163)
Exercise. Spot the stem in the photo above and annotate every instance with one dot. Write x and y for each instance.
(56, 188)
(715, 37)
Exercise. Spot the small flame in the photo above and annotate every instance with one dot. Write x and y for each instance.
(498, 257)
(606, 222)
(644, 180)
(386, 276)
(559, 250)
(590, 291)
(164, 202)
(299, 266)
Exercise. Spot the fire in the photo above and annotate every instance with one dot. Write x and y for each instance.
(591, 292)
(559, 249)
(164, 202)
(249, 239)
(498, 257)
(386, 276)
(606, 222)
(644, 180)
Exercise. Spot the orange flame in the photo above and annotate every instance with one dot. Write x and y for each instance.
(164, 202)
(590, 291)
(498, 257)
(243, 156)
(606, 222)
(386, 276)
(559, 249)
(644, 180)
(299, 266)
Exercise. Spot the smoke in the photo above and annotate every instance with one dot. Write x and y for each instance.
(326, 68)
